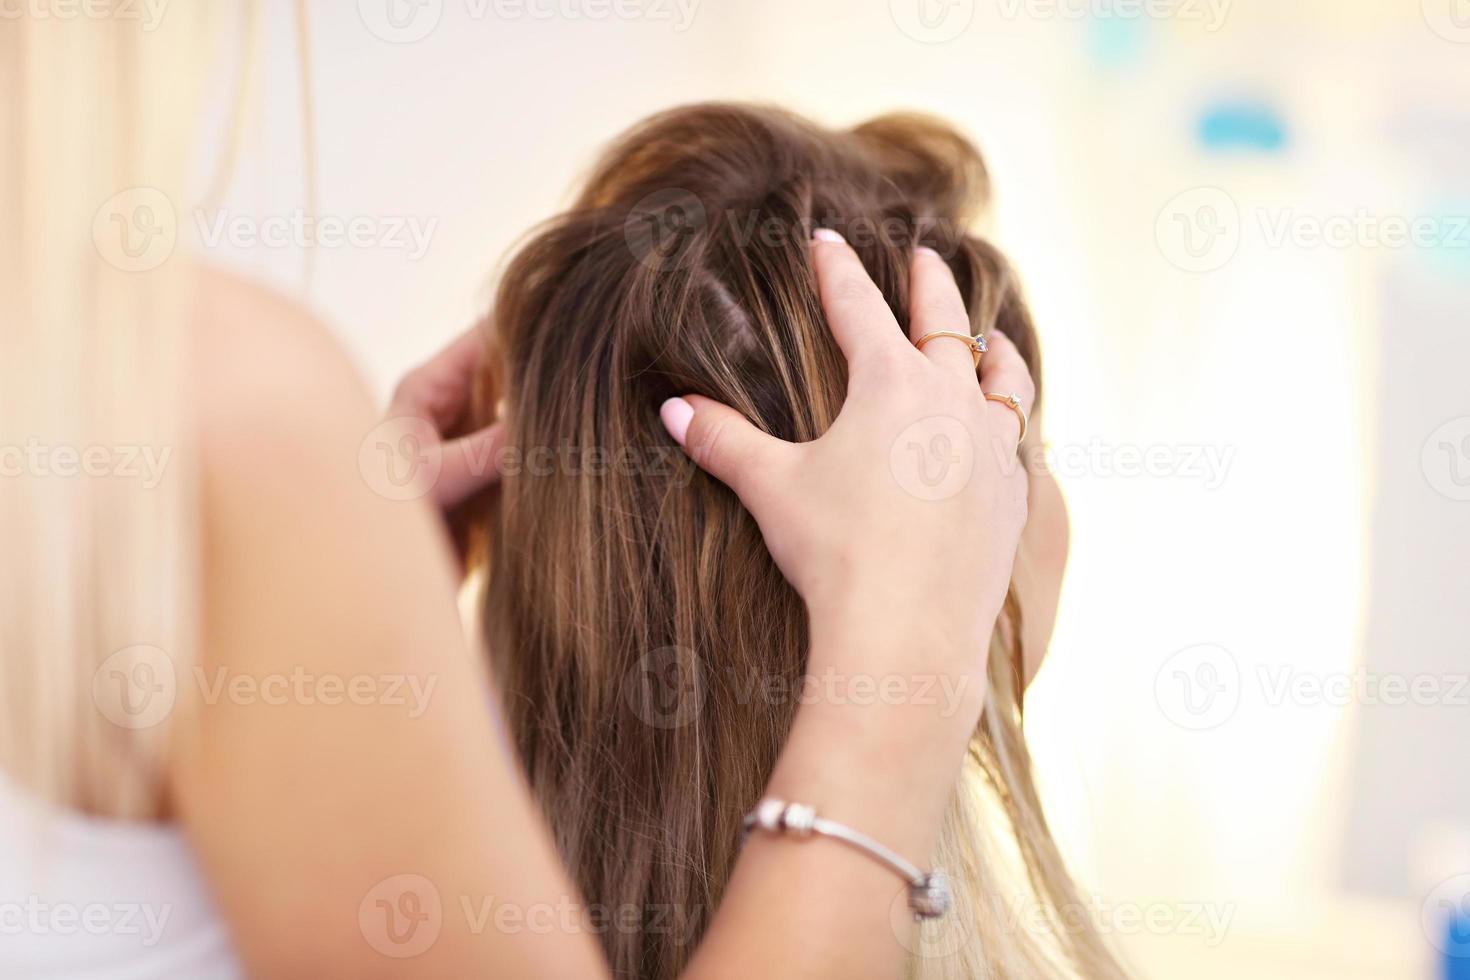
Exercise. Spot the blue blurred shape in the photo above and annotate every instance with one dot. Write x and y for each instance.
(1242, 125)
(1448, 251)
(1114, 41)
(1457, 946)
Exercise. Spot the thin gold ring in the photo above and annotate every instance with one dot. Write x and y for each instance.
(1014, 404)
(976, 343)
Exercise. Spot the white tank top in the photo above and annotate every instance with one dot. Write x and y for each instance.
(84, 898)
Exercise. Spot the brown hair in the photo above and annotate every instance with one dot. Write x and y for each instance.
(636, 620)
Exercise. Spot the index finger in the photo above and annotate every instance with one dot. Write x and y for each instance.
(440, 388)
(857, 313)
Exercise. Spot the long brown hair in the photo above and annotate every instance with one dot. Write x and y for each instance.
(649, 651)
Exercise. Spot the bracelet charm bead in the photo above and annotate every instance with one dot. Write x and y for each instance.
(930, 898)
(929, 892)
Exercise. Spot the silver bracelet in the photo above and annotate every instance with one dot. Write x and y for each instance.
(929, 896)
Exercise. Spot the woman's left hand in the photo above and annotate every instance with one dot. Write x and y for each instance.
(438, 392)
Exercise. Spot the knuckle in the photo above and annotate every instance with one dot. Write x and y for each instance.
(894, 367)
(414, 388)
(942, 310)
(854, 289)
(705, 446)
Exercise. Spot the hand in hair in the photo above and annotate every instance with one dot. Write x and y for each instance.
(438, 392)
(913, 502)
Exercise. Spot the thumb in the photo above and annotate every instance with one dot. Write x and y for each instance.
(721, 441)
(469, 465)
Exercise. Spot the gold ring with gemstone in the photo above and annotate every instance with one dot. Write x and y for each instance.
(1014, 404)
(976, 343)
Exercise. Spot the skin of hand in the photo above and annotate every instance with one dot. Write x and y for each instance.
(954, 542)
(903, 578)
(438, 392)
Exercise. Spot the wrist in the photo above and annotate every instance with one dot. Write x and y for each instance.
(881, 734)
(912, 623)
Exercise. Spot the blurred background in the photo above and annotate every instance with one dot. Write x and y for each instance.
(1244, 227)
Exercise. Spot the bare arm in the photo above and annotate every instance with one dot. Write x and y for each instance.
(384, 836)
(337, 769)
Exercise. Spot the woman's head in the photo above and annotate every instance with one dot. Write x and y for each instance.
(650, 651)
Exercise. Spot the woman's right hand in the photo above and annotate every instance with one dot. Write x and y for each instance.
(909, 508)
(899, 528)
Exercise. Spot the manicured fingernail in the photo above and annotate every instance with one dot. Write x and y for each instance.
(676, 414)
(828, 235)
(926, 250)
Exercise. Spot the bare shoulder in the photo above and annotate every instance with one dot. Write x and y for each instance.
(269, 375)
(248, 334)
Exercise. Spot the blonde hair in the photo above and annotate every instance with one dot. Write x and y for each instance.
(97, 492)
(632, 607)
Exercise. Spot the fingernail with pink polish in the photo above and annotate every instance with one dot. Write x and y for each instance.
(676, 414)
(828, 235)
